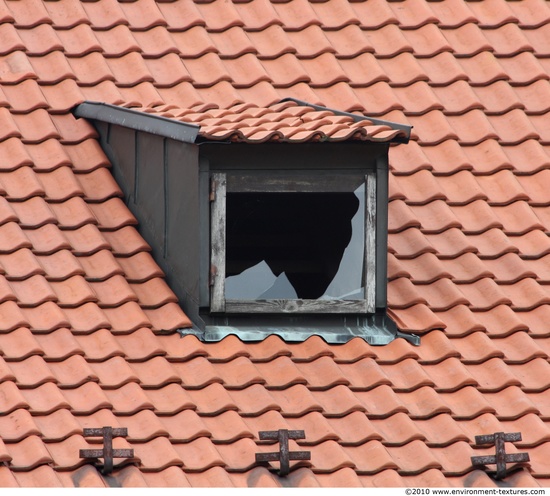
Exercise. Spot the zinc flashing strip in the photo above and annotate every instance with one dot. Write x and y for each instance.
(357, 118)
(140, 121)
(378, 330)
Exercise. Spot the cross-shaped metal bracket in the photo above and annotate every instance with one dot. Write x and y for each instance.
(501, 458)
(107, 453)
(283, 455)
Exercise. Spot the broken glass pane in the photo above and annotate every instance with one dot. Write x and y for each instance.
(294, 245)
(348, 281)
(259, 283)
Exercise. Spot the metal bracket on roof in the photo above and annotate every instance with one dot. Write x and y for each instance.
(357, 118)
(107, 453)
(283, 455)
(501, 458)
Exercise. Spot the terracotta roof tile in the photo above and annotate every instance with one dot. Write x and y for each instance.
(86, 308)
(511, 403)
(215, 477)
(114, 373)
(201, 454)
(12, 39)
(99, 345)
(157, 372)
(395, 352)
(41, 476)
(416, 99)
(12, 399)
(529, 14)
(66, 14)
(524, 68)
(52, 68)
(44, 399)
(536, 39)
(239, 373)
(170, 477)
(398, 429)
(181, 348)
(39, 40)
(271, 42)
(78, 41)
(47, 156)
(168, 317)
(427, 41)
(7, 212)
(214, 400)
(18, 426)
(407, 375)
(418, 318)
(520, 348)
(25, 97)
(112, 292)
(143, 15)
(15, 154)
(60, 344)
(154, 42)
(233, 427)
(20, 344)
(126, 400)
(16, 67)
(105, 89)
(410, 243)
(29, 453)
(73, 372)
(11, 129)
(29, 15)
(529, 374)
(31, 292)
(467, 40)
(104, 15)
(141, 345)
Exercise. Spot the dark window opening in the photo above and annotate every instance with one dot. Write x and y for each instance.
(295, 245)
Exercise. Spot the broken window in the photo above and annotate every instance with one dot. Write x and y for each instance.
(294, 245)
(293, 250)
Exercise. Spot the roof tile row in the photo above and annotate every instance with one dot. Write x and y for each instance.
(83, 304)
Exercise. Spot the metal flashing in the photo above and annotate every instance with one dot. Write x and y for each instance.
(379, 330)
(357, 118)
(140, 121)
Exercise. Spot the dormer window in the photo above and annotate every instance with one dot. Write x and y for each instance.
(293, 243)
(280, 234)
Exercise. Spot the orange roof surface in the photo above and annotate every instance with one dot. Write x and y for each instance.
(290, 121)
(87, 323)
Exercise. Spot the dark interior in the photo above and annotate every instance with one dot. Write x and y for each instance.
(301, 234)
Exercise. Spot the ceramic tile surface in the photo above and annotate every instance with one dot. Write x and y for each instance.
(88, 324)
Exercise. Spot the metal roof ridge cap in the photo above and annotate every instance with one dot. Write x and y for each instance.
(140, 121)
(394, 125)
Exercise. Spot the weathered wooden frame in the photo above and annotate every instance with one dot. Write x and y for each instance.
(221, 184)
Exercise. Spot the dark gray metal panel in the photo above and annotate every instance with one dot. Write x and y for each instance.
(137, 120)
(285, 156)
(122, 153)
(204, 234)
(182, 251)
(159, 179)
(149, 187)
(382, 231)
